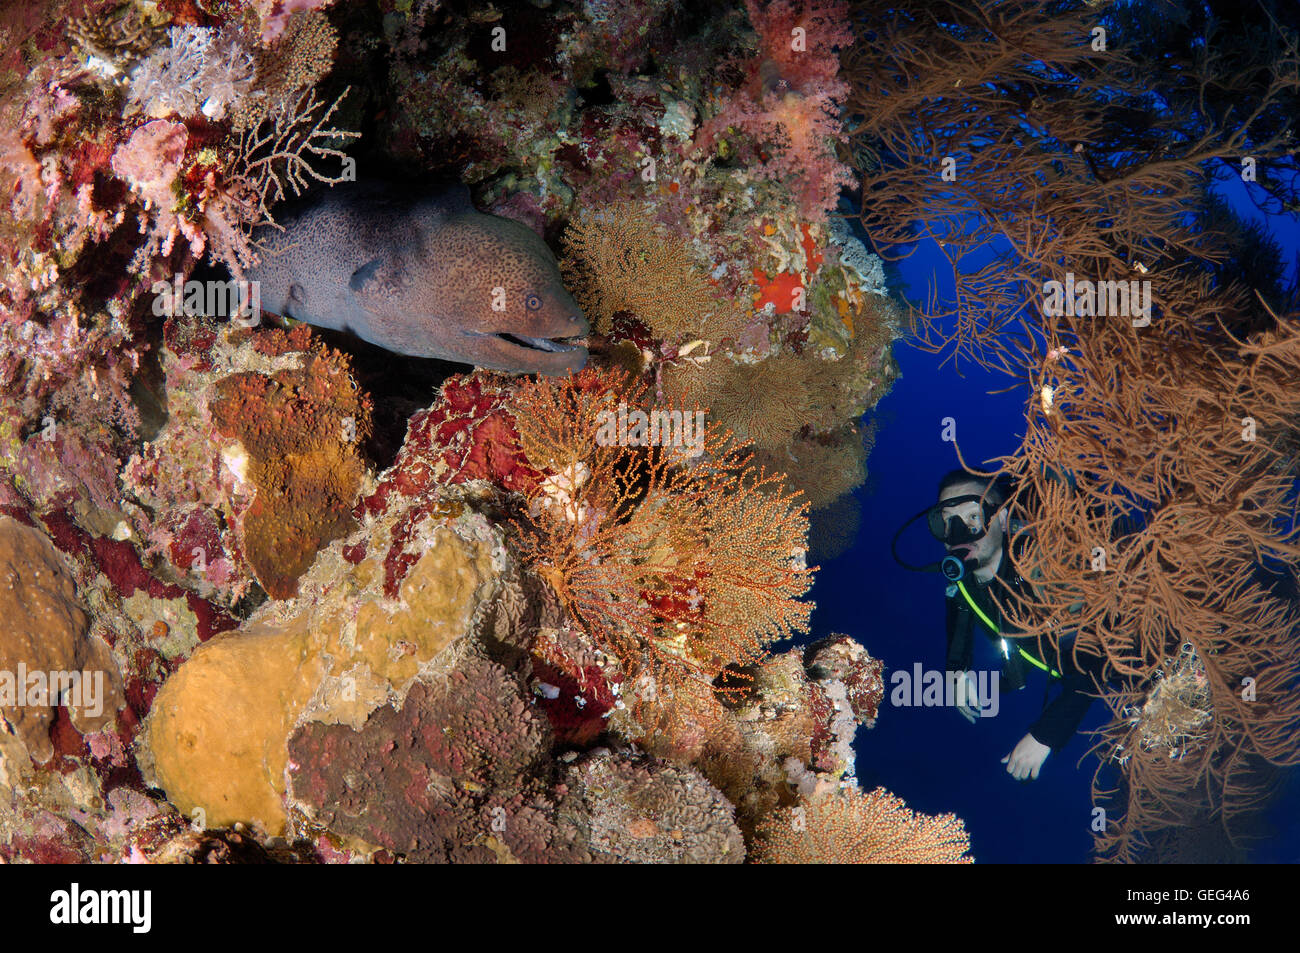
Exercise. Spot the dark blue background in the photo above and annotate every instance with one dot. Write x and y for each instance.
(932, 757)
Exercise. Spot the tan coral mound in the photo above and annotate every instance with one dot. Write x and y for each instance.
(44, 630)
(218, 733)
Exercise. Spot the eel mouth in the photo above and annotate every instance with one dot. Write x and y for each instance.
(553, 345)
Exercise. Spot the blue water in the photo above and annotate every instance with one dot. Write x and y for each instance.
(932, 757)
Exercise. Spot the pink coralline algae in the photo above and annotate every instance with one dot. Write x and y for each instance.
(173, 177)
(119, 565)
(276, 15)
(150, 161)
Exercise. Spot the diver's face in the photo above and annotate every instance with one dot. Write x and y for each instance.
(986, 547)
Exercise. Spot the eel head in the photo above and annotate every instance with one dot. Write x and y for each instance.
(483, 290)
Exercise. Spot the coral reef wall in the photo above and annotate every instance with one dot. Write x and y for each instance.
(502, 638)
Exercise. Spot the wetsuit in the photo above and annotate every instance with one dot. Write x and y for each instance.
(1061, 718)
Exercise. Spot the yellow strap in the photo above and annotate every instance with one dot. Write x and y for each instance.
(1050, 671)
(961, 587)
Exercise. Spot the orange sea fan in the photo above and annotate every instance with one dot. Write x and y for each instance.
(851, 827)
(677, 562)
(559, 426)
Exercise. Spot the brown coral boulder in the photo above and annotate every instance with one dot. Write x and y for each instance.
(447, 777)
(646, 811)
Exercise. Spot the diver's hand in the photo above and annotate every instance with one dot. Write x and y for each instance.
(1027, 759)
(968, 708)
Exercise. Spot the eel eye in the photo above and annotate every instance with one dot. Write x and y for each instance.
(532, 302)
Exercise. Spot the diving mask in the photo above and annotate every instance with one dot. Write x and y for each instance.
(956, 529)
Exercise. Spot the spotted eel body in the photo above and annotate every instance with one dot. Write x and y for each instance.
(425, 275)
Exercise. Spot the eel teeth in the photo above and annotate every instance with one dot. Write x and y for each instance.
(543, 344)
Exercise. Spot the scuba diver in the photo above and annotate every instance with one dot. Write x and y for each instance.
(971, 519)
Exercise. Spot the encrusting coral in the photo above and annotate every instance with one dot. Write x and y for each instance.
(516, 640)
(300, 430)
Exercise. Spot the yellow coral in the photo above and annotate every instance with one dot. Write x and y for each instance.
(217, 737)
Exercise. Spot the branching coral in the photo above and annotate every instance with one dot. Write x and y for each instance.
(677, 565)
(110, 43)
(274, 159)
(1156, 475)
(1179, 489)
(150, 161)
(851, 827)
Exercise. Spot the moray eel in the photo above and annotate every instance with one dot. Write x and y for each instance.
(428, 276)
